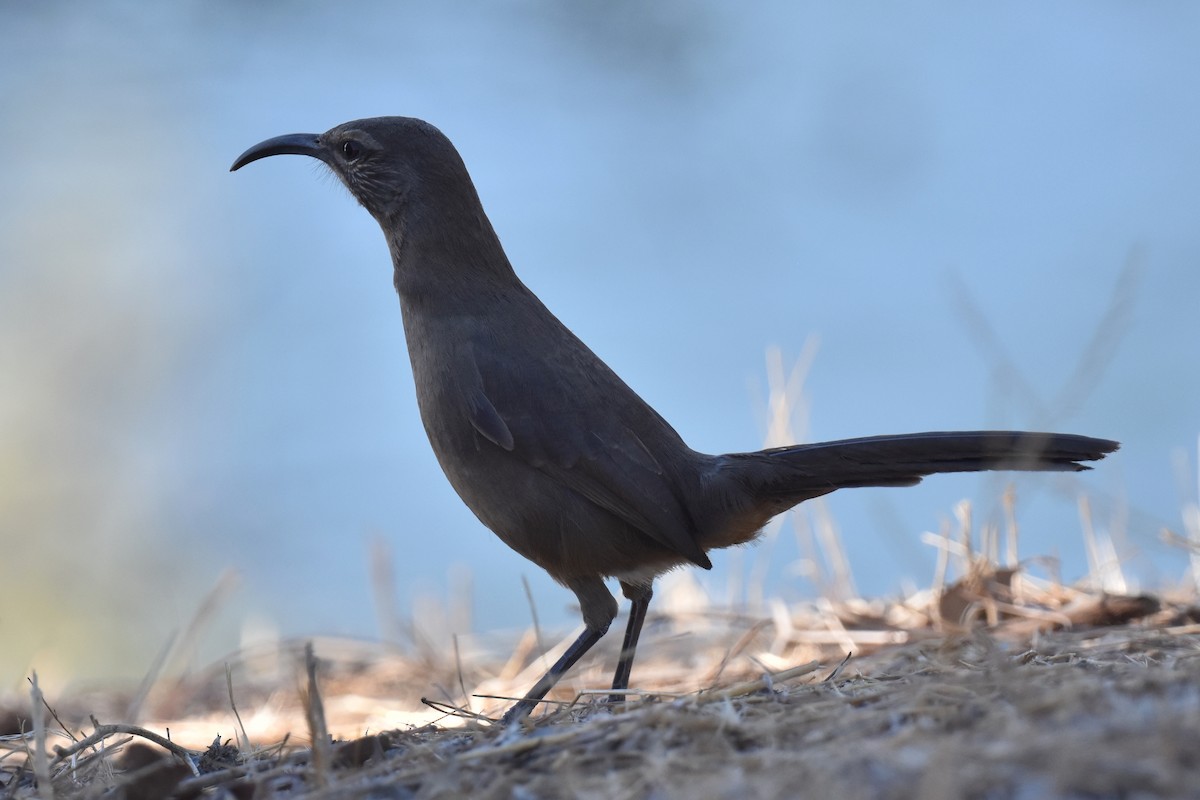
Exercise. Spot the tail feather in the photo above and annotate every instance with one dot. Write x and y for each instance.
(799, 472)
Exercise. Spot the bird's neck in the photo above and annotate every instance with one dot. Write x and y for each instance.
(454, 260)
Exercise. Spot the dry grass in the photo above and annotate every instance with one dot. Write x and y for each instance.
(1027, 690)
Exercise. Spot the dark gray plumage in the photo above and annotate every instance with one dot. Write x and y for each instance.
(549, 448)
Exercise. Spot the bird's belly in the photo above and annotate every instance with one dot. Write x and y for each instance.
(545, 521)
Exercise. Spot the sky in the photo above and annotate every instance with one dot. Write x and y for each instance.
(967, 217)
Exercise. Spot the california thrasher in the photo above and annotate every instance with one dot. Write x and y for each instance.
(549, 448)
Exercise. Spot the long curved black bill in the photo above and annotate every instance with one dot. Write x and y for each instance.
(300, 144)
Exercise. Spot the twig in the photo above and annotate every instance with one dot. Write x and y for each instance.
(104, 731)
(58, 719)
(150, 679)
(180, 647)
(1012, 540)
(462, 685)
(383, 589)
(537, 628)
(461, 712)
(740, 645)
(832, 676)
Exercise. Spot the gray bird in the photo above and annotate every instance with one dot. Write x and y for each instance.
(546, 445)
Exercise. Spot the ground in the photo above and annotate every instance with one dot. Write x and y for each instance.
(1033, 691)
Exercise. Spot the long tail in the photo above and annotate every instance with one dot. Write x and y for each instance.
(790, 475)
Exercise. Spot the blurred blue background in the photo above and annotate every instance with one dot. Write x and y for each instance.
(988, 216)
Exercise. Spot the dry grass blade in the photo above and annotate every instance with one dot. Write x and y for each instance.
(41, 761)
(766, 682)
(318, 730)
(245, 742)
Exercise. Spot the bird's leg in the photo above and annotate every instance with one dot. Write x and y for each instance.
(639, 601)
(573, 653)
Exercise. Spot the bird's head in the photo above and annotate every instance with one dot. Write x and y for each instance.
(390, 164)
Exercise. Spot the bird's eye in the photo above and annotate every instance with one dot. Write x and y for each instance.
(351, 150)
